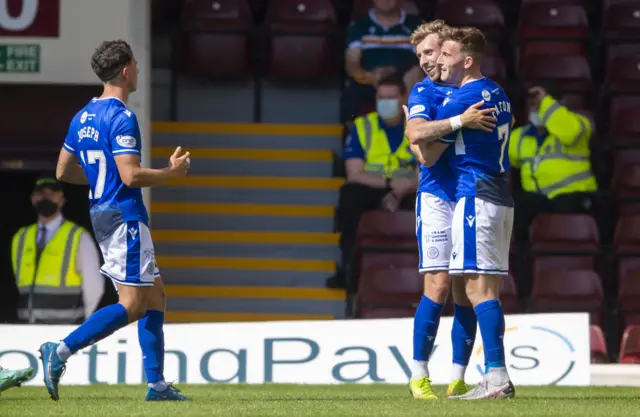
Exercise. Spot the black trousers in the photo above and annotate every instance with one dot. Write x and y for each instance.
(355, 200)
(529, 205)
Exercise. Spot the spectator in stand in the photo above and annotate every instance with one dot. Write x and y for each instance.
(378, 45)
(381, 171)
(553, 155)
(55, 263)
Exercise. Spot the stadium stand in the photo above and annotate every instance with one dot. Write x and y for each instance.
(268, 191)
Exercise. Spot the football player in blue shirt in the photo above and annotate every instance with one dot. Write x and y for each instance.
(102, 149)
(435, 204)
(483, 216)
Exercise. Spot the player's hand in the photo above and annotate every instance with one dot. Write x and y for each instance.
(179, 162)
(479, 119)
(390, 202)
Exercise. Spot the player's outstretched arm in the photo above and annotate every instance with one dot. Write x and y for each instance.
(135, 176)
(68, 169)
(422, 130)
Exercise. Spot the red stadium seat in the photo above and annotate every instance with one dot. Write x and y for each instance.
(626, 239)
(216, 39)
(486, 15)
(617, 50)
(538, 47)
(563, 290)
(564, 233)
(553, 20)
(625, 186)
(620, 21)
(599, 353)
(386, 313)
(301, 38)
(626, 265)
(543, 263)
(494, 68)
(509, 295)
(389, 288)
(623, 75)
(570, 72)
(629, 298)
(630, 345)
(381, 223)
(361, 8)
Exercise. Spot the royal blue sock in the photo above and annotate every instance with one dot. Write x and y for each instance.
(99, 325)
(491, 322)
(463, 333)
(151, 338)
(425, 328)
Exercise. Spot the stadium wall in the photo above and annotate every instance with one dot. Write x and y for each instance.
(541, 349)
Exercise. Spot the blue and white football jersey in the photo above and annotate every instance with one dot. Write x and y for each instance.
(424, 100)
(481, 161)
(103, 129)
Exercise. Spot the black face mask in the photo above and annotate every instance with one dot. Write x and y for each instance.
(46, 207)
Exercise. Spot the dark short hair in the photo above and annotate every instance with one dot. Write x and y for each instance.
(394, 79)
(109, 59)
(472, 41)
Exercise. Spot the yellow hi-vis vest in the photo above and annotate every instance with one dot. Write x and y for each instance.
(51, 291)
(378, 155)
(561, 163)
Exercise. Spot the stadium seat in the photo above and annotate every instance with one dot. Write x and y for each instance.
(623, 75)
(483, 14)
(620, 21)
(571, 73)
(625, 186)
(626, 240)
(386, 313)
(629, 298)
(493, 67)
(389, 288)
(568, 290)
(630, 345)
(543, 263)
(509, 295)
(552, 20)
(302, 41)
(624, 120)
(216, 38)
(537, 47)
(573, 234)
(617, 50)
(361, 8)
(599, 353)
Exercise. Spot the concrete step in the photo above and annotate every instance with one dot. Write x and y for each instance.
(250, 190)
(242, 217)
(270, 300)
(252, 244)
(248, 135)
(252, 162)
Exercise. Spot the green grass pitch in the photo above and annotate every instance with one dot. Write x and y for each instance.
(312, 400)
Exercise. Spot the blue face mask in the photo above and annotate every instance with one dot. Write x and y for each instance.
(388, 108)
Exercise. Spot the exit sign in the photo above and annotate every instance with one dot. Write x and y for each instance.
(19, 58)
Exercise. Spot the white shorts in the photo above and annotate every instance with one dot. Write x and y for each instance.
(129, 258)
(481, 234)
(433, 231)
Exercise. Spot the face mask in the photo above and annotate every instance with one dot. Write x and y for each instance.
(387, 108)
(534, 118)
(46, 207)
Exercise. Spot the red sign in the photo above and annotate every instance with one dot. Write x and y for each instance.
(34, 18)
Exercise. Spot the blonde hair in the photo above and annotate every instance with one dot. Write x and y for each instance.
(426, 29)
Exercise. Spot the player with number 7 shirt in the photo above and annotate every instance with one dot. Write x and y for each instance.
(483, 215)
(103, 150)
